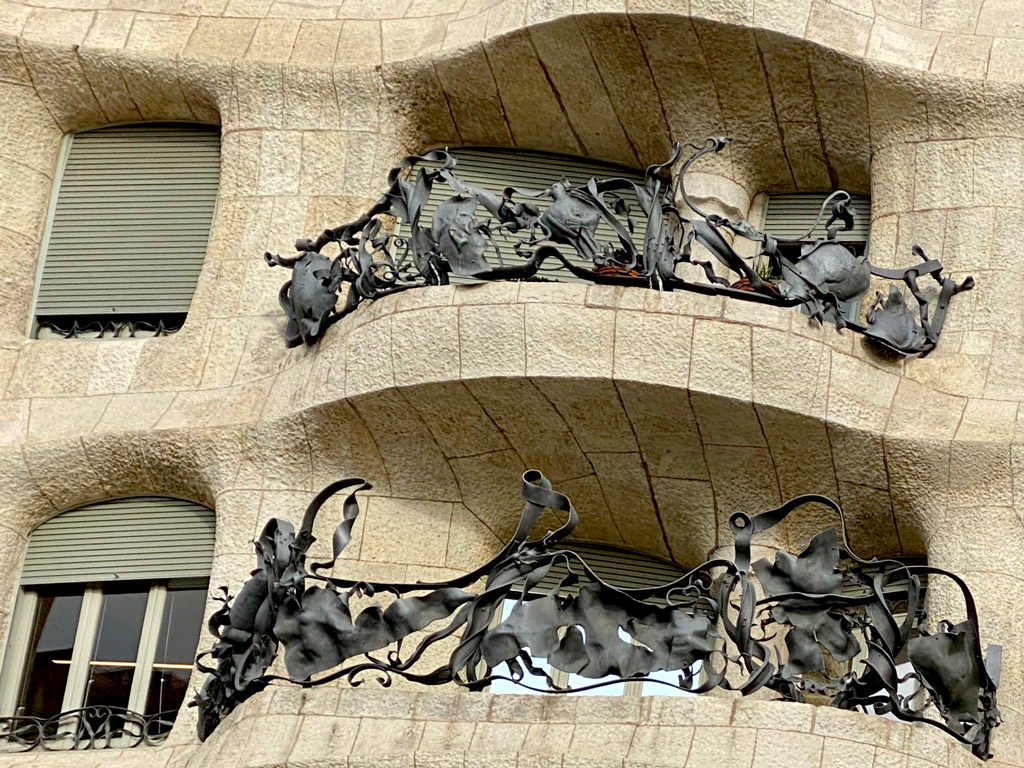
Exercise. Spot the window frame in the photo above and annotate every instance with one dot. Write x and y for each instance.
(44, 242)
(12, 677)
(32, 325)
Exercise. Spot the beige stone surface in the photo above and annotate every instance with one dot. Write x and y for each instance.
(459, 729)
(658, 413)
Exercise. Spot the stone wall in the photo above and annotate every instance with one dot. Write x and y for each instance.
(332, 728)
(658, 414)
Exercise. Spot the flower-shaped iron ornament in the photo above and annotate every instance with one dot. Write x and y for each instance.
(567, 226)
(846, 622)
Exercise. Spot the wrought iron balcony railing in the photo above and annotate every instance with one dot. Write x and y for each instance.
(829, 623)
(822, 276)
(103, 327)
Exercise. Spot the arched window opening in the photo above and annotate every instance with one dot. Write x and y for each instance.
(792, 216)
(106, 623)
(128, 229)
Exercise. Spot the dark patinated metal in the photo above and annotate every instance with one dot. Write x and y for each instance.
(708, 627)
(106, 328)
(546, 225)
(94, 727)
(308, 299)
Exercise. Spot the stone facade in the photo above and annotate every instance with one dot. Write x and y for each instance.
(658, 414)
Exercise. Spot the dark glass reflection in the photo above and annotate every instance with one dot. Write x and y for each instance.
(49, 660)
(175, 651)
(112, 664)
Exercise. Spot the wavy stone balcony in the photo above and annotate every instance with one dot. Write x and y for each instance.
(715, 407)
(366, 728)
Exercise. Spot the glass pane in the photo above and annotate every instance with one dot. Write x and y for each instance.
(49, 661)
(180, 625)
(175, 652)
(167, 689)
(112, 664)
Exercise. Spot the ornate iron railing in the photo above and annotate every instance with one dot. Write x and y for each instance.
(95, 727)
(820, 611)
(460, 240)
(106, 327)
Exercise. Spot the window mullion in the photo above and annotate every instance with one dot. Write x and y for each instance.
(18, 639)
(85, 637)
(558, 677)
(62, 161)
(147, 648)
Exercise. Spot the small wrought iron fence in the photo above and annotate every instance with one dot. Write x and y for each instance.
(93, 727)
(97, 327)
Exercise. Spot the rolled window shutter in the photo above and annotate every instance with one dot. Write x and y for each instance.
(788, 217)
(495, 169)
(633, 570)
(618, 567)
(147, 537)
(131, 222)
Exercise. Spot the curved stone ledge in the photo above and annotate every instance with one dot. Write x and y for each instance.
(733, 349)
(366, 727)
(442, 394)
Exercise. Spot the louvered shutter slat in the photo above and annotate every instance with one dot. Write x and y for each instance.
(618, 567)
(634, 570)
(131, 221)
(147, 537)
(495, 169)
(788, 217)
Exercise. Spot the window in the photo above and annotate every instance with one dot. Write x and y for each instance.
(495, 169)
(109, 612)
(790, 216)
(128, 228)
